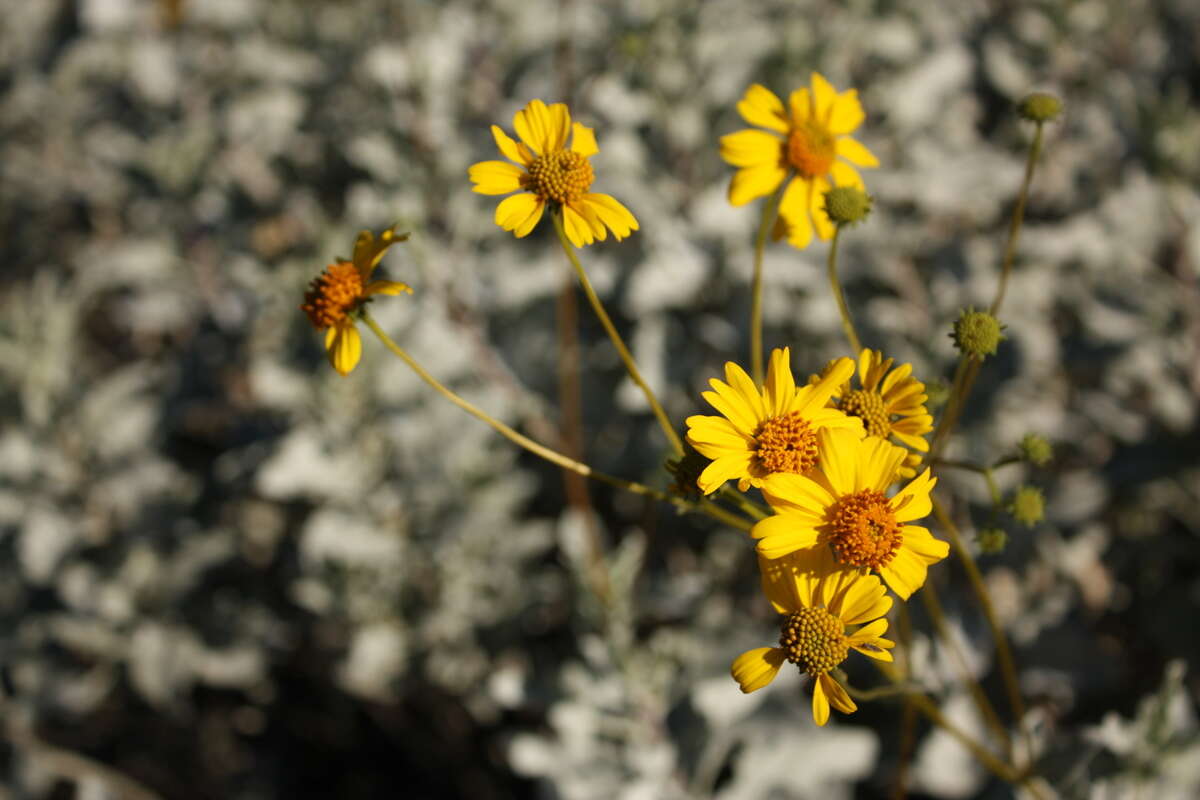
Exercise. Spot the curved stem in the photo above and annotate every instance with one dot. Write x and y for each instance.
(663, 421)
(553, 456)
(770, 211)
(1008, 668)
(1018, 216)
(1001, 770)
(843, 309)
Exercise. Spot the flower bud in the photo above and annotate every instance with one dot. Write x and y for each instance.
(1040, 107)
(1035, 449)
(991, 541)
(1028, 506)
(847, 205)
(687, 469)
(977, 333)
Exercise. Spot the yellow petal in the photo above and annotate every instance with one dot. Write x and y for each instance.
(905, 573)
(779, 538)
(914, 501)
(847, 113)
(532, 124)
(780, 388)
(855, 153)
(522, 230)
(756, 668)
(820, 703)
(495, 177)
(823, 97)
(863, 599)
(838, 697)
(920, 541)
(514, 211)
(577, 228)
(751, 182)
(344, 348)
(511, 150)
(821, 220)
(759, 106)
(558, 126)
(617, 217)
(878, 461)
(386, 287)
(800, 103)
(588, 212)
(846, 175)
(793, 211)
(749, 148)
(721, 470)
(797, 496)
(369, 250)
(837, 451)
(583, 140)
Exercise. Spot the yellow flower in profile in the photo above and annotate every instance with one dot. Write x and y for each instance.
(814, 636)
(766, 431)
(841, 508)
(805, 140)
(890, 402)
(550, 173)
(335, 297)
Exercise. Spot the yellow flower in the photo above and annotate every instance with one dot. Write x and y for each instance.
(890, 402)
(805, 140)
(550, 172)
(335, 297)
(841, 509)
(814, 634)
(769, 430)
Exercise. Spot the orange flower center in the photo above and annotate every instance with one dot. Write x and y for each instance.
(333, 294)
(868, 406)
(787, 444)
(864, 531)
(563, 176)
(810, 149)
(814, 640)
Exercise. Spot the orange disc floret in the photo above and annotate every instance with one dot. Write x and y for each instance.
(333, 294)
(864, 530)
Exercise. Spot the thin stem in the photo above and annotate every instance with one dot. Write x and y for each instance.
(1000, 769)
(617, 341)
(1008, 668)
(908, 713)
(843, 309)
(770, 211)
(945, 423)
(1018, 216)
(553, 456)
(744, 503)
(933, 605)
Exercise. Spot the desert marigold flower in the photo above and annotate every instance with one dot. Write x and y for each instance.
(841, 509)
(818, 631)
(890, 402)
(805, 140)
(335, 297)
(765, 431)
(552, 173)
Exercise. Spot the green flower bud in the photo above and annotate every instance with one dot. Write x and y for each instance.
(1040, 107)
(1028, 506)
(991, 541)
(1035, 449)
(977, 333)
(847, 205)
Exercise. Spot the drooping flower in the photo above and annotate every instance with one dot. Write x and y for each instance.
(335, 297)
(550, 173)
(814, 636)
(768, 430)
(890, 402)
(805, 140)
(841, 508)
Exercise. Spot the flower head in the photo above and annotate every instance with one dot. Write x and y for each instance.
(977, 333)
(814, 635)
(1035, 449)
(767, 430)
(808, 140)
(841, 509)
(336, 296)
(550, 172)
(890, 402)
(1039, 107)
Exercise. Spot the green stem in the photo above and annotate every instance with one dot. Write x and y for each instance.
(553, 456)
(770, 211)
(843, 309)
(617, 341)
(744, 503)
(1018, 216)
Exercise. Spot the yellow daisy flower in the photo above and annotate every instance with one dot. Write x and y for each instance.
(814, 635)
(766, 431)
(805, 140)
(335, 297)
(841, 507)
(890, 402)
(550, 172)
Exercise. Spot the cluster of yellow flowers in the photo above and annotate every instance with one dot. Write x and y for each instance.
(825, 455)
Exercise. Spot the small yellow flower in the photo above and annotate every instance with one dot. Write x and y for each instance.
(805, 140)
(550, 173)
(769, 430)
(841, 509)
(335, 297)
(814, 635)
(890, 402)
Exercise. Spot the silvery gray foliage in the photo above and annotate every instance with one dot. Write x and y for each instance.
(204, 528)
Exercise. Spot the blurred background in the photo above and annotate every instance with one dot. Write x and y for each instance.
(227, 572)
